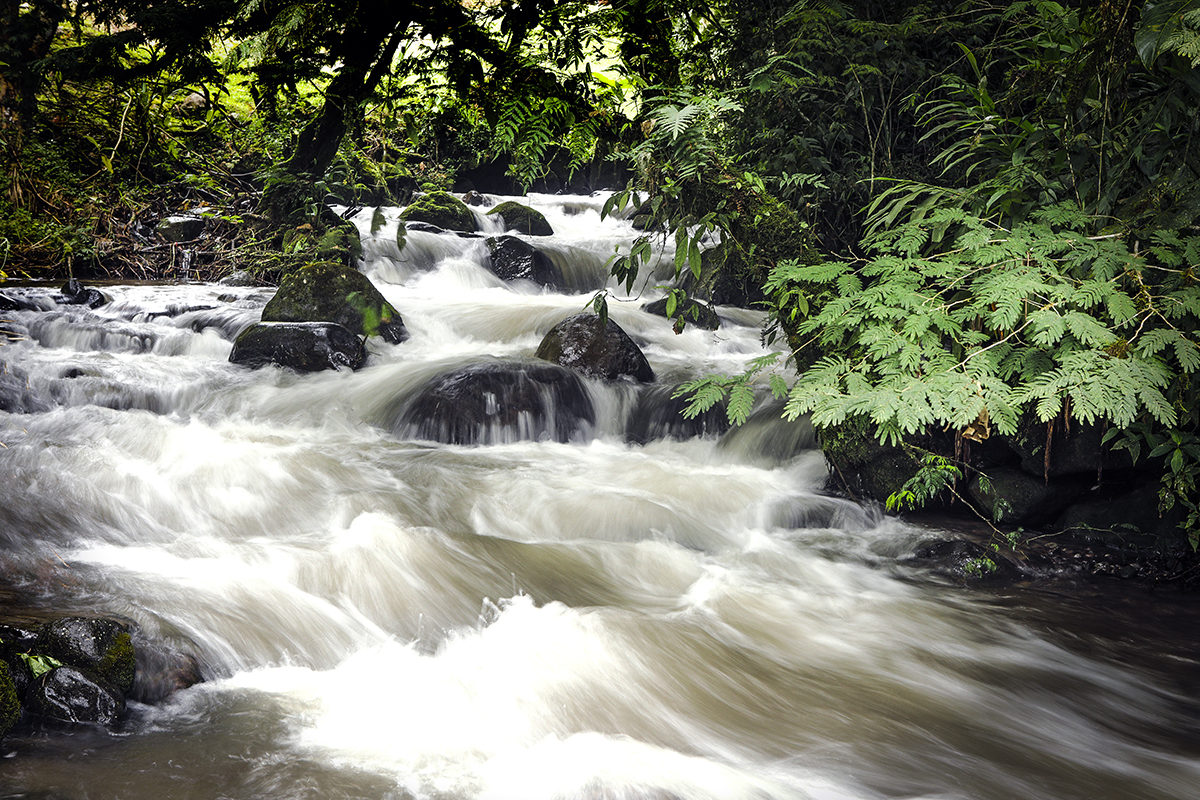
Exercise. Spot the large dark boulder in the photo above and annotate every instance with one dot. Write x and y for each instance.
(328, 292)
(102, 646)
(596, 350)
(72, 694)
(441, 209)
(302, 346)
(522, 218)
(513, 259)
(500, 401)
(1122, 514)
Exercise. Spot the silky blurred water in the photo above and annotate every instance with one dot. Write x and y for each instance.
(385, 617)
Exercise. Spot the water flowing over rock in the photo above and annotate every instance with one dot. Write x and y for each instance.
(499, 402)
(15, 395)
(327, 292)
(302, 346)
(659, 415)
(581, 343)
(513, 259)
(464, 573)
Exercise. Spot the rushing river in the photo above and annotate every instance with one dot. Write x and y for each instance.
(609, 618)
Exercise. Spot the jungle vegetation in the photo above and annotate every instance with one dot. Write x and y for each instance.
(955, 213)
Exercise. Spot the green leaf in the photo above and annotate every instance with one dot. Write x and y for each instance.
(40, 664)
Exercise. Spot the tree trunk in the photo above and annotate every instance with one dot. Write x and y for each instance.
(28, 34)
(368, 52)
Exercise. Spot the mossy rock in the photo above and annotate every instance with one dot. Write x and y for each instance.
(10, 703)
(866, 467)
(442, 209)
(522, 218)
(329, 292)
(102, 646)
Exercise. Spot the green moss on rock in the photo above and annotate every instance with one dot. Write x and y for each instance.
(10, 704)
(330, 292)
(522, 218)
(118, 664)
(866, 467)
(442, 209)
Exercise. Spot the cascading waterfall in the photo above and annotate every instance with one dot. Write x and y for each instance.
(633, 610)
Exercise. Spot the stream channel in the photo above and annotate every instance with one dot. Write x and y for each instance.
(629, 613)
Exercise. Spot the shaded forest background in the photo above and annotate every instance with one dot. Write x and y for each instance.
(961, 217)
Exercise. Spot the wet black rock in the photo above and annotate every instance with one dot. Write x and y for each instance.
(1014, 497)
(500, 401)
(102, 646)
(72, 694)
(329, 292)
(302, 346)
(14, 304)
(424, 227)
(514, 259)
(581, 343)
(75, 293)
(693, 313)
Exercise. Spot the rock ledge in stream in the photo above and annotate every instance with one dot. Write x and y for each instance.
(500, 401)
(302, 346)
(581, 343)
